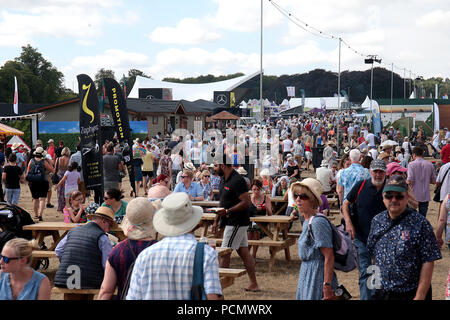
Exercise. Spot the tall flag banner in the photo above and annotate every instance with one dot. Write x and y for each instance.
(436, 117)
(124, 86)
(290, 91)
(91, 151)
(120, 115)
(302, 92)
(376, 117)
(16, 97)
(102, 98)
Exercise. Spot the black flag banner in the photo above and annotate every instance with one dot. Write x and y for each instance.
(91, 153)
(119, 113)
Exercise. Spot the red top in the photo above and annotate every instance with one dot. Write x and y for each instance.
(445, 154)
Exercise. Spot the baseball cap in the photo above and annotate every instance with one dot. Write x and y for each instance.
(396, 184)
(393, 167)
(378, 164)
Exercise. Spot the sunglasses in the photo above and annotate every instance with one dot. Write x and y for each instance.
(396, 196)
(182, 177)
(7, 259)
(207, 176)
(302, 196)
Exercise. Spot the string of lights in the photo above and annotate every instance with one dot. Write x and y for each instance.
(317, 32)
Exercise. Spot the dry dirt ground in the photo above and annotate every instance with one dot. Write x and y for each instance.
(279, 284)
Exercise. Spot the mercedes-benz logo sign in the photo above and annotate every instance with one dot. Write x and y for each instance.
(149, 97)
(222, 99)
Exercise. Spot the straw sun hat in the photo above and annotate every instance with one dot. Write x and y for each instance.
(313, 185)
(40, 151)
(103, 212)
(138, 221)
(177, 215)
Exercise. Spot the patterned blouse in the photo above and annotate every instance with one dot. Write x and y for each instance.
(400, 252)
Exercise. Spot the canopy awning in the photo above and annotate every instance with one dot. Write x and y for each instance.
(224, 115)
(9, 131)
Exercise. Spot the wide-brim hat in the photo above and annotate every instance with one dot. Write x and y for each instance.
(394, 167)
(138, 221)
(104, 212)
(177, 215)
(40, 152)
(314, 186)
(241, 171)
(189, 166)
(15, 145)
(346, 150)
(324, 163)
(50, 141)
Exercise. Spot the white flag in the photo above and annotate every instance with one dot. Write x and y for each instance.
(290, 91)
(16, 97)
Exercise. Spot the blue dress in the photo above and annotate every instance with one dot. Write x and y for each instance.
(310, 280)
(29, 292)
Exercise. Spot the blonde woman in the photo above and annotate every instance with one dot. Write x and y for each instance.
(18, 281)
(205, 184)
(61, 166)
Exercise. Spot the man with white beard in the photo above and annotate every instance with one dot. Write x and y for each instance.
(366, 200)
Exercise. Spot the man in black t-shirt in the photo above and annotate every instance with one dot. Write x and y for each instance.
(12, 176)
(235, 200)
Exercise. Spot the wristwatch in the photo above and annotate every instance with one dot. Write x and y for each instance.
(327, 284)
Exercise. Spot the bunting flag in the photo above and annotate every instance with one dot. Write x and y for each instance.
(91, 151)
(124, 86)
(16, 97)
(436, 119)
(119, 113)
(102, 98)
(376, 118)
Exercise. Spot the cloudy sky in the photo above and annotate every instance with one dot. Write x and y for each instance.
(181, 38)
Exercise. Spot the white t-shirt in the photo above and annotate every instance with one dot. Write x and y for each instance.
(287, 145)
(373, 153)
(371, 138)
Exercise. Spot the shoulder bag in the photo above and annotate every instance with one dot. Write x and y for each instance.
(55, 176)
(437, 190)
(353, 208)
(197, 290)
(126, 285)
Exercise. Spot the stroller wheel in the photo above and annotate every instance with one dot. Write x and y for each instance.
(43, 264)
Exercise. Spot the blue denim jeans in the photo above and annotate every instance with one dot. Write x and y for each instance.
(12, 196)
(364, 261)
(423, 208)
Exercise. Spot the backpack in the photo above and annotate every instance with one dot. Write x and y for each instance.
(37, 172)
(345, 258)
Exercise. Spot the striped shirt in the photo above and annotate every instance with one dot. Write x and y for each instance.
(164, 271)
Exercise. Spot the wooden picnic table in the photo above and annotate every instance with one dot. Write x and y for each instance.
(41, 230)
(282, 209)
(206, 204)
(278, 237)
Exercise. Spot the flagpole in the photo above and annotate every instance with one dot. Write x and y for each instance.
(339, 94)
(392, 90)
(261, 67)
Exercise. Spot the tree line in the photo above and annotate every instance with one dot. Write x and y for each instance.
(40, 82)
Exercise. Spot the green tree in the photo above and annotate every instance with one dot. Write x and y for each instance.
(131, 79)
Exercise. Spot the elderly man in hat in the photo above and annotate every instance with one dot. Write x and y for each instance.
(87, 247)
(164, 271)
(403, 246)
(363, 202)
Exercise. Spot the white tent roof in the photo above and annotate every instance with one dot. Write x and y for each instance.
(188, 91)
(330, 103)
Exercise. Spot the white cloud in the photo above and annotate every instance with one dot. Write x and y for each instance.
(187, 31)
(436, 19)
(22, 21)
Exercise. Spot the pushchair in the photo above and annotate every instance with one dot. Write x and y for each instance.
(436, 154)
(12, 220)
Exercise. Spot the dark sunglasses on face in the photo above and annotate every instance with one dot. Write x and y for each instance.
(207, 176)
(302, 196)
(182, 177)
(7, 259)
(396, 196)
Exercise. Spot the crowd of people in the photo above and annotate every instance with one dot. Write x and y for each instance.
(382, 183)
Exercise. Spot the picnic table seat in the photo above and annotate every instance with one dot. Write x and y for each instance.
(227, 276)
(76, 294)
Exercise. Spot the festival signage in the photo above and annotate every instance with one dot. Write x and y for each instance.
(92, 162)
(119, 113)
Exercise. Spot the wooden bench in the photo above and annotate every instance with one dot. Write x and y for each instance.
(227, 276)
(76, 294)
(43, 254)
(274, 247)
(334, 211)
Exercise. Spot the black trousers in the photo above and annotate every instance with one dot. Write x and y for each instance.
(381, 294)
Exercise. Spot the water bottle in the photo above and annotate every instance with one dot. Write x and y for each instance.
(66, 215)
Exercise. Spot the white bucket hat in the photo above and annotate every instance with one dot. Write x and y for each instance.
(264, 172)
(138, 221)
(189, 166)
(177, 215)
(324, 163)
